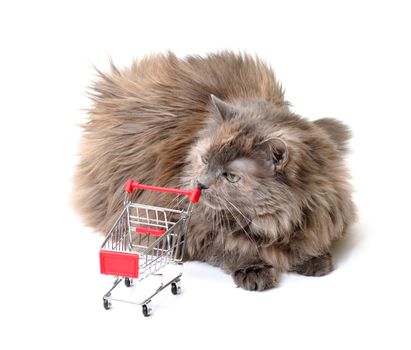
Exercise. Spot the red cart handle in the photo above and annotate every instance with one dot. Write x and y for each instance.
(192, 195)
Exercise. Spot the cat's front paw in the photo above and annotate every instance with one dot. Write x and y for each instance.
(256, 277)
(316, 266)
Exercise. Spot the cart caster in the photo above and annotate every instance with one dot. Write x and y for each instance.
(107, 304)
(176, 287)
(147, 309)
(128, 282)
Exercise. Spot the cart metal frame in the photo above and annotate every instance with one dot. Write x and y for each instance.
(143, 240)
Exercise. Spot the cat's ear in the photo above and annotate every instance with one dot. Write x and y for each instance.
(279, 154)
(338, 132)
(225, 110)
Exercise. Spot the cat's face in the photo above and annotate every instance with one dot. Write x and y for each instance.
(228, 178)
(237, 166)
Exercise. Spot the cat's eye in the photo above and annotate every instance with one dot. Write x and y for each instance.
(204, 160)
(232, 177)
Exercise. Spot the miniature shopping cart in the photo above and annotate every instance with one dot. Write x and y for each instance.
(145, 240)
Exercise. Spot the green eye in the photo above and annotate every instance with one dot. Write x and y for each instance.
(204, 160)
(232, 177)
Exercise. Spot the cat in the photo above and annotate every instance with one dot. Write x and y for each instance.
(275, 187)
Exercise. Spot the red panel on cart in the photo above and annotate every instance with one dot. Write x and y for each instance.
(150, 231)
(118, 264)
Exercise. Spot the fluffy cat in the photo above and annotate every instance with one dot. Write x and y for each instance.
(275, 187)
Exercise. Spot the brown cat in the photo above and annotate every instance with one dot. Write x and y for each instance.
(275, 187)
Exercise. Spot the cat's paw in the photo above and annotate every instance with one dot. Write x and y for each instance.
(316, 266)
(256, 277)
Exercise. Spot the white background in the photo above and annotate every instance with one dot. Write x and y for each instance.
(348, 60)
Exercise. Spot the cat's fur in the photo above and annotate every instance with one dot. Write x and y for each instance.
(180, 122)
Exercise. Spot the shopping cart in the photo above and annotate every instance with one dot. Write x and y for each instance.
(144, 240)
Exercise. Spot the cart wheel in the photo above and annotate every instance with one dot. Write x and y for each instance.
(176, 287)
(128, 282)
(107, 304)
(147, 309)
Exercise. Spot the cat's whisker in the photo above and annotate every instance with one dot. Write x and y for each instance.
(214, 224)
(239, 223)
(222, 232)
(252, 240)
(176, 201)
(238, 210)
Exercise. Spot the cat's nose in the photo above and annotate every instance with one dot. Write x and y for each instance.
(201, 184)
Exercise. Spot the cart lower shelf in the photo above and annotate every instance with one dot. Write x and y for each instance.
(174, 282)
